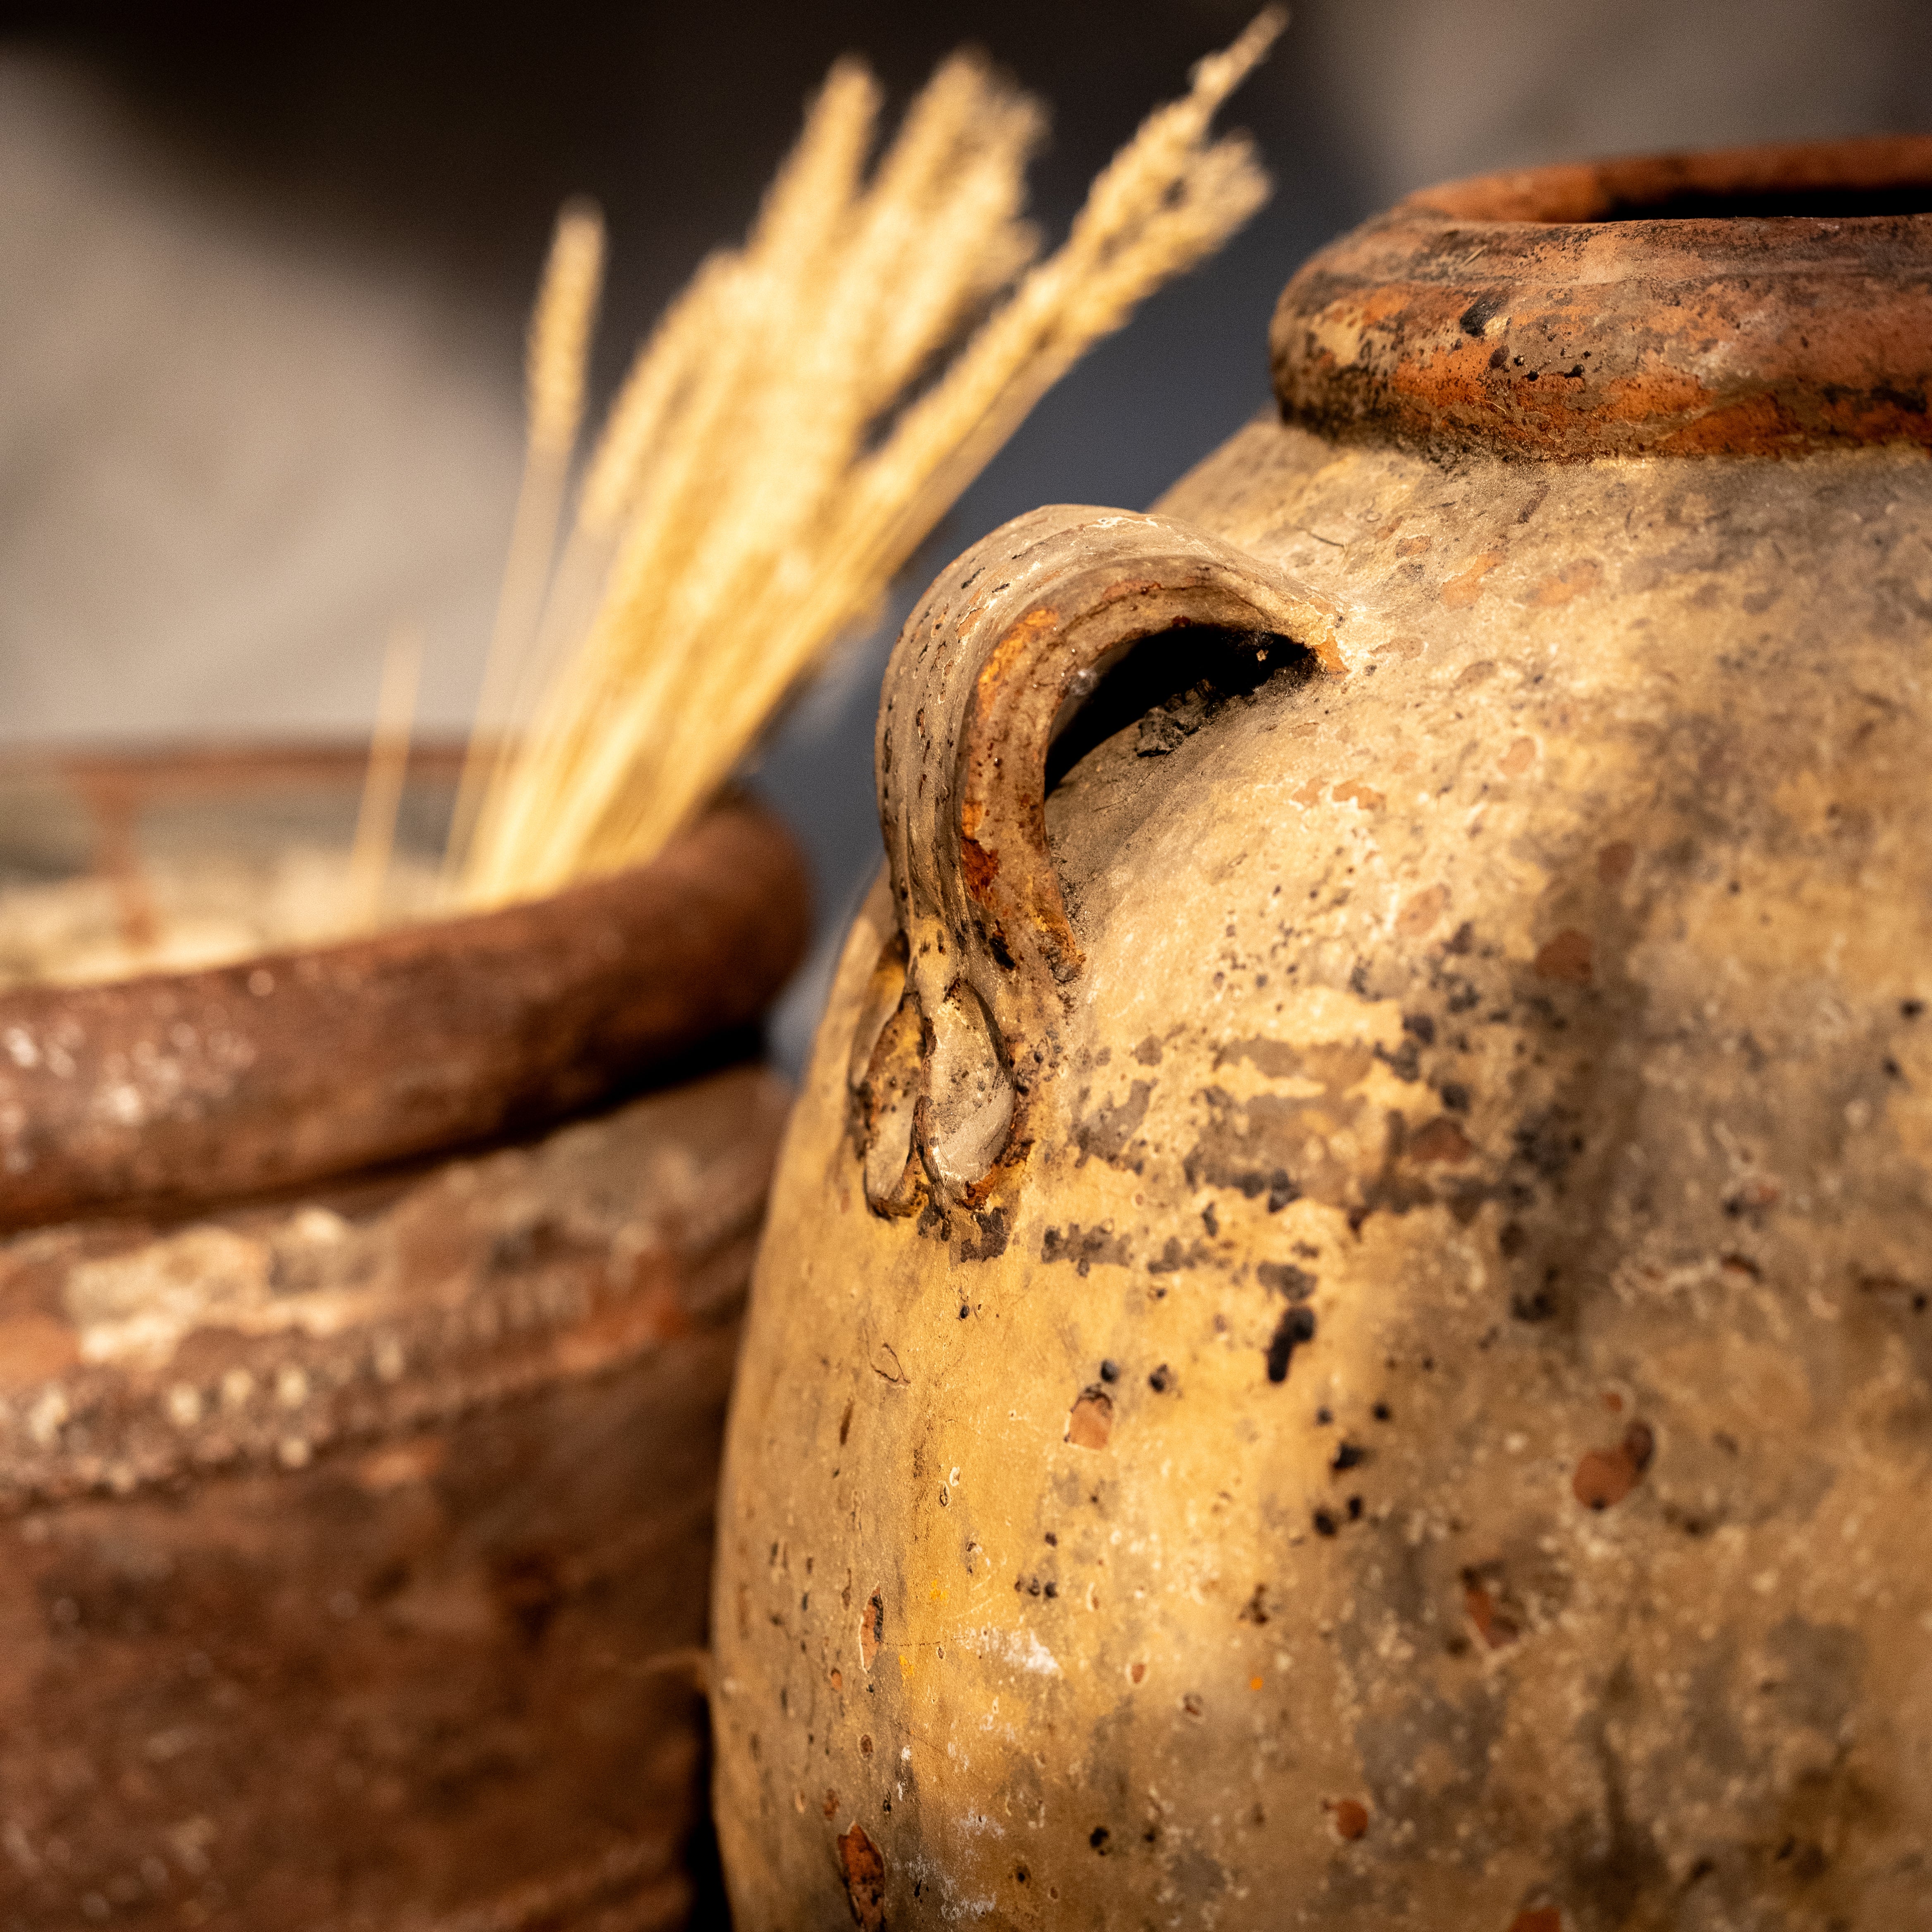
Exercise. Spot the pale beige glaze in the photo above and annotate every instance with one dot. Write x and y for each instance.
(1563, 956)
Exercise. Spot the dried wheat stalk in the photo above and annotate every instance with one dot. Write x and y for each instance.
(556, 358)
(763, 475)
(374, 844)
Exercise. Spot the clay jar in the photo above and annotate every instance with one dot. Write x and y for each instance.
(1343, 1338)
(367, 1312)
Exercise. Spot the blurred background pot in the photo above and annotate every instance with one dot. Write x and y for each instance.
(365, 1325)
(1343, 1337)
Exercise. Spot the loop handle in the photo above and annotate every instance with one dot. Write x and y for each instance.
(999, 653)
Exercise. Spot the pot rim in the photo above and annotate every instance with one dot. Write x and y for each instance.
(1647, 187)
(167, 1091)
(1565, 312)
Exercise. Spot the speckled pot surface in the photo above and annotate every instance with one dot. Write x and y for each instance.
(1343, 1337)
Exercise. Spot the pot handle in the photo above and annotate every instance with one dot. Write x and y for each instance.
(999, 654)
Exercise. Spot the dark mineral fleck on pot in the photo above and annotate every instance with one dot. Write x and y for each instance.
(1297, 1326)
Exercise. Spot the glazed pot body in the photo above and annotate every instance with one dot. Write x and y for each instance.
(1343, 1337)
(356, 1523)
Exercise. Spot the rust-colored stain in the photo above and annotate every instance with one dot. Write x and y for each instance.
(1349, 1817)
(1309, 794)
(1518, 759)
(34, 1348)
(1537, 1918)
(1605, 1477)
(864, 1870)
(981, 867)
(1459, 592)
(830, 1807)
(1566, 957)
(1495, 1628)
(621, 1330)
(1615, 861)
(1570, 581)
(1442, 1140)
(1420, 911)
(1012, 649)
(1354, 792)
(398, 1465)
(1089, 1423)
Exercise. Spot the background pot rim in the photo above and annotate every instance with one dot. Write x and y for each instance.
(1630, 187)
(170, 1091)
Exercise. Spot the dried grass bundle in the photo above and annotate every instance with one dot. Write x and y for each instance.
(763, 475)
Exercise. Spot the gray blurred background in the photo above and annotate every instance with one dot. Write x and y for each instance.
(263, 275)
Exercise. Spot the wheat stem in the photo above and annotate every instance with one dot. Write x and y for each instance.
(374, 843)
(557, 363)
(764, 475)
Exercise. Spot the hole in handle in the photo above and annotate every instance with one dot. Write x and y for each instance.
(1165, 687)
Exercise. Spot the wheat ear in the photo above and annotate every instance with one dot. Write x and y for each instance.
(753, 507)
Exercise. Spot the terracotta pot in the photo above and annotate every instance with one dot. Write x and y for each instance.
(1343, 1338)
(361, 1380)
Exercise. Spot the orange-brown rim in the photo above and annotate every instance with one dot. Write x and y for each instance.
(171, 1091)
(1768, 301)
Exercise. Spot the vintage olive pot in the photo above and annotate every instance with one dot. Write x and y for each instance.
(1343, 1335)
(364, 1337)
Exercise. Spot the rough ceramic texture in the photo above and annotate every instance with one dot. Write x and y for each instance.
(355, 1550)
(1421, 1414)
